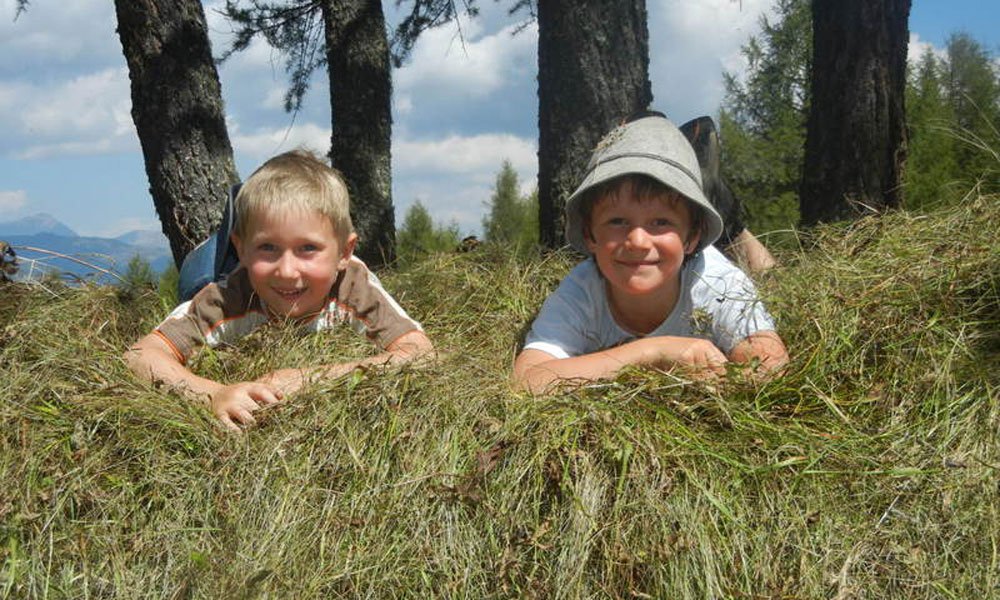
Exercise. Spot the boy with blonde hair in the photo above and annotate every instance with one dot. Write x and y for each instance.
(295, 244)
(654, 292)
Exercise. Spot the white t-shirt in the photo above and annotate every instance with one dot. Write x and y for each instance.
(717, 302)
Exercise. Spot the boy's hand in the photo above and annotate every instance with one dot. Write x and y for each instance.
(236, 403)
(765, 350)
(286, 381)
(702, 357)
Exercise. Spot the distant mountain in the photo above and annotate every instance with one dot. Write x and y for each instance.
(52, 238)
(103, 253)
(145, 238)
(35, 224)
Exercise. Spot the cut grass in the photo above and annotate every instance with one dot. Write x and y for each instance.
(868, 470)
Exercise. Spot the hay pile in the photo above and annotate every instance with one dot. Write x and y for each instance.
(868, 470)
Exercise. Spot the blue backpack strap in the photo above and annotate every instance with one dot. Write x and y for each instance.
(214, 258)
(226, 259)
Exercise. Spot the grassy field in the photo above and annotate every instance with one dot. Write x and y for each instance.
(869, 470)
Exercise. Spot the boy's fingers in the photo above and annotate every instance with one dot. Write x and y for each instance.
(228, 423)
(245, 417)
(266, 394)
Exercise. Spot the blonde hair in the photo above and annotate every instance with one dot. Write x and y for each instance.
(297, 180)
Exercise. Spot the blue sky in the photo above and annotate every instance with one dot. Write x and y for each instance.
(461, 106)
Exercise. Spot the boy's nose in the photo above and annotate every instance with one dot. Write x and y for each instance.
(286, 267)
(637, 237)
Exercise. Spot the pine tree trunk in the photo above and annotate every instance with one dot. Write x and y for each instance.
(856, 135)
(178, 115)
(360, 100)
(593, 71)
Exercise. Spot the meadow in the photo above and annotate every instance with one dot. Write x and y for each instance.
(867, 470)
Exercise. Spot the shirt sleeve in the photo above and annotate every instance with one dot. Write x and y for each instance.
(220, 313)
(187, 328)
(737, 311)
(564, 326)
(370, 309)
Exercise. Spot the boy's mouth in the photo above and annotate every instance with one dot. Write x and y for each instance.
(289, 295)
(639, 263)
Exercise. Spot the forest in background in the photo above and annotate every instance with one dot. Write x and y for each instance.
(952, 110)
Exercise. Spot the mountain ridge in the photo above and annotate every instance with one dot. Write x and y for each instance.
(42, 242)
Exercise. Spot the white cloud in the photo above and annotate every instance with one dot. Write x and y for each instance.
(86, 115)
(274, 99)
(473, 154)
(256, 58)
(917, 47)
(402, 104)
(58, 33)
(265, 142)
(463, 204)
(84, 148)
(470, 65)
(454, 176)
(691, 44)
(12, 201)
(96, 102)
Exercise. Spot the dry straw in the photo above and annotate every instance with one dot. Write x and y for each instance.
(868, 470)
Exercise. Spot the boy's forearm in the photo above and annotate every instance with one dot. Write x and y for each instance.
(543, 376)
(538, 376)
(664, 352)
(158, 365)
(410, 347)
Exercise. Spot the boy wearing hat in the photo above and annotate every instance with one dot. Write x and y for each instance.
(654, 292)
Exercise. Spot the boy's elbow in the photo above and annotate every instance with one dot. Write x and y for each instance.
(767, 348)
(412, 346)
(519, 381)
(529, 376)
(134, 360)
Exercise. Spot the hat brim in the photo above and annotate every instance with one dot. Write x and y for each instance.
(666, 172)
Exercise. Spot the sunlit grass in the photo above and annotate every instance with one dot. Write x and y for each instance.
(868, 470)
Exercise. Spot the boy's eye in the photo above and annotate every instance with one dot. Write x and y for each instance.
(661, 223)
(616, 221)
(266, 247)
(309, 248)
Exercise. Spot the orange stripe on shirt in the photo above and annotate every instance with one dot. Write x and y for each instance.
(177, 353)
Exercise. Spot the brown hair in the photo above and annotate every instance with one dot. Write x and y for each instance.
(644, 188)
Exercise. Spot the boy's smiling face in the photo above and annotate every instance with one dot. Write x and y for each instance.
(293, 259)
(639, 243)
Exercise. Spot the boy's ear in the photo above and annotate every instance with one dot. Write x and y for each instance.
(238, 244)
(692, 242)
(588, 238)
(347, 251)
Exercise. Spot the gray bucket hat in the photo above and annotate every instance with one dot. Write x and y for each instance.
(651, 146)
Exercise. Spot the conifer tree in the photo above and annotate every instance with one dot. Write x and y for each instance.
(931, 162)
(763, 117)
(419, 235)
(973, 90)
(506, 213)
(512, 219)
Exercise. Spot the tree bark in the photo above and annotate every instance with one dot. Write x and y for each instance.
(856, 133)
(593, 71)
(178, 114)
(360, 101)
